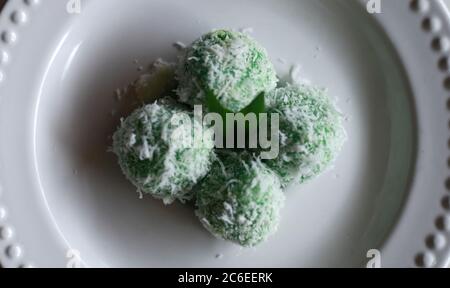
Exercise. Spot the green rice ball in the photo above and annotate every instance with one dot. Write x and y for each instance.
(240, 200)
(158, 153)
(311, 132)
(230, 64)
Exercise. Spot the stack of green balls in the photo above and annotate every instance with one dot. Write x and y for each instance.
(238, 196)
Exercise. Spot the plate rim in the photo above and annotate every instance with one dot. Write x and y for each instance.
(430, 243)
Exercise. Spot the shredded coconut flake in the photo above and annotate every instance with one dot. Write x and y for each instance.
(180, 46)
(296, 77)
(281, 60)
(118, 94)
(247, 30)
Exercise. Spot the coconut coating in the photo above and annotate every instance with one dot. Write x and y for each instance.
(230, 64)
(311, 132)
(158, 153)
(240, 200)
(157, 82)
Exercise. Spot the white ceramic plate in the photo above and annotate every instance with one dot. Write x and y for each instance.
(62, 194)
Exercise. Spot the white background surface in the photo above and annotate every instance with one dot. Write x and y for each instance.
(78, 65)
(447, 1)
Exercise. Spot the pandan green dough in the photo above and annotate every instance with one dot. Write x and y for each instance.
(230, 64)
(240, 199)
(311, 132)
(155, 155)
